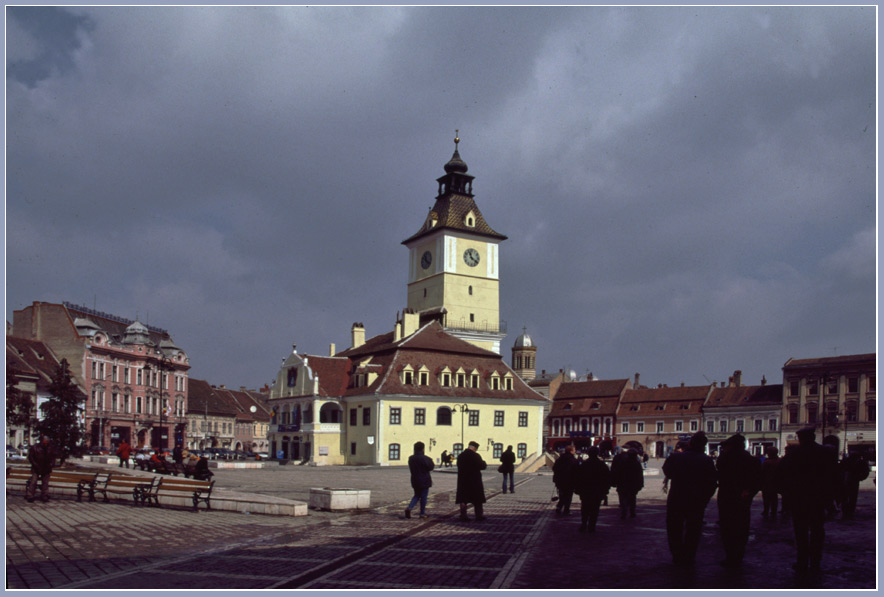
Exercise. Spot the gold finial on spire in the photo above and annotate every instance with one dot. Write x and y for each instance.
(456, 138)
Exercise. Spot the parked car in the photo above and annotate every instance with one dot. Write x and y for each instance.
(98, 451)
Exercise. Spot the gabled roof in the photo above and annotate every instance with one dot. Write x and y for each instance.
(203, 399)
(680, 400)
(585, 406)
(243, 401)
(32, 358)
(745, 396)
(577, 390)
(431, 347)
(431, 336)
(333, 373)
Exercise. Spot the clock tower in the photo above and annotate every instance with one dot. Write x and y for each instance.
(453, 270)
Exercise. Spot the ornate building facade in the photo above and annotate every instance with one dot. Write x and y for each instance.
(134, 376)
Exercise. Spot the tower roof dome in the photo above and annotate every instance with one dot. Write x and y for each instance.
(136, 333)
(523, 341)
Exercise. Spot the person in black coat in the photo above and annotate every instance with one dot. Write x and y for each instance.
(739, 479)
(692, 482)
(769, 489)
(808, 480)
(629, 478)
(854, 469)
(470, 489)
(41, 456)
(420, 466)
(508, 468)
(592, 483)
(564, 471)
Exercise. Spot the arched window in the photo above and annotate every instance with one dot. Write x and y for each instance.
(443, 416)
(292, 377)
(555, 427)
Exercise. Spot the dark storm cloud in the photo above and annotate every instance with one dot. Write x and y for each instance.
(687, 191)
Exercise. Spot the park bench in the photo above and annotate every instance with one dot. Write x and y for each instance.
(198, 491)
(81, 482)
(142, 489)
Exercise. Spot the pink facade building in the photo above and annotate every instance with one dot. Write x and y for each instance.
(134, 376)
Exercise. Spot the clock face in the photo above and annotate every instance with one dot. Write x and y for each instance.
(426, 259)
(471, 257)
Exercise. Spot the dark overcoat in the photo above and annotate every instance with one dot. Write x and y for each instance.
(41, 458)
(692, 479)
(420, 466)
(627, 472)
(508, 462)
(470, 489)
(808, 478)
(564, 471)
(592, 479)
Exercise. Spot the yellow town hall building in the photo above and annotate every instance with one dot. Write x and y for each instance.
(437, 377)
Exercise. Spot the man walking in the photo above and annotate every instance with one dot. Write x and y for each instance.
(629, 478)
(420, 465)
(739, 479)
(692, 481)
(769, 489)
(42, 457)
(470, 489)
(808, 479)
(508, 468)
(564, 471)
(592, 484)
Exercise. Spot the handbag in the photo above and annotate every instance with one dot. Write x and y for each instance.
(555, 495)
(500, 469)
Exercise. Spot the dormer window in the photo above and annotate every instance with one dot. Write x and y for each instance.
(407, 375)
(596, 405)
(495, 381)
(568, 406)
(659, 407)
(508, 381)
(634, 408)
(470, 219)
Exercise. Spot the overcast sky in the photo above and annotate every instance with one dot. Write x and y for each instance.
(686, 191)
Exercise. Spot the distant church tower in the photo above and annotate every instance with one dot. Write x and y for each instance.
(525, 356)
(453, 271)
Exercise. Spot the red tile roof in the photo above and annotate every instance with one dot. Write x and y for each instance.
(591, 389)
(745, 396)
(431, 347)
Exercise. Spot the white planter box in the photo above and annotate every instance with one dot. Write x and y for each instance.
(327, 498)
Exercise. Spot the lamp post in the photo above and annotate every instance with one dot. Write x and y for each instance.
(463, 408)
(162, 364)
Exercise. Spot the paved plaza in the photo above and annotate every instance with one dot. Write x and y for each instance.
(523, 544)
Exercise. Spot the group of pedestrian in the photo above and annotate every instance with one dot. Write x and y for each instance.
(470, 487)
(585, 477)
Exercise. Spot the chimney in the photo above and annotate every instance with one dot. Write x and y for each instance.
(636, 380)
(331, 349)
(738, 378)
(763, 380)
(357, 335)
(410, 322)
(294, 349)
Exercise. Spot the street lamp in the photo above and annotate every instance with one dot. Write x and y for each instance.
(463, 408)
(162, 364)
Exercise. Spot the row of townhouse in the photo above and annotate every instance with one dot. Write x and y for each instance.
(836, 394)
(219, 417)
(134, 380)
